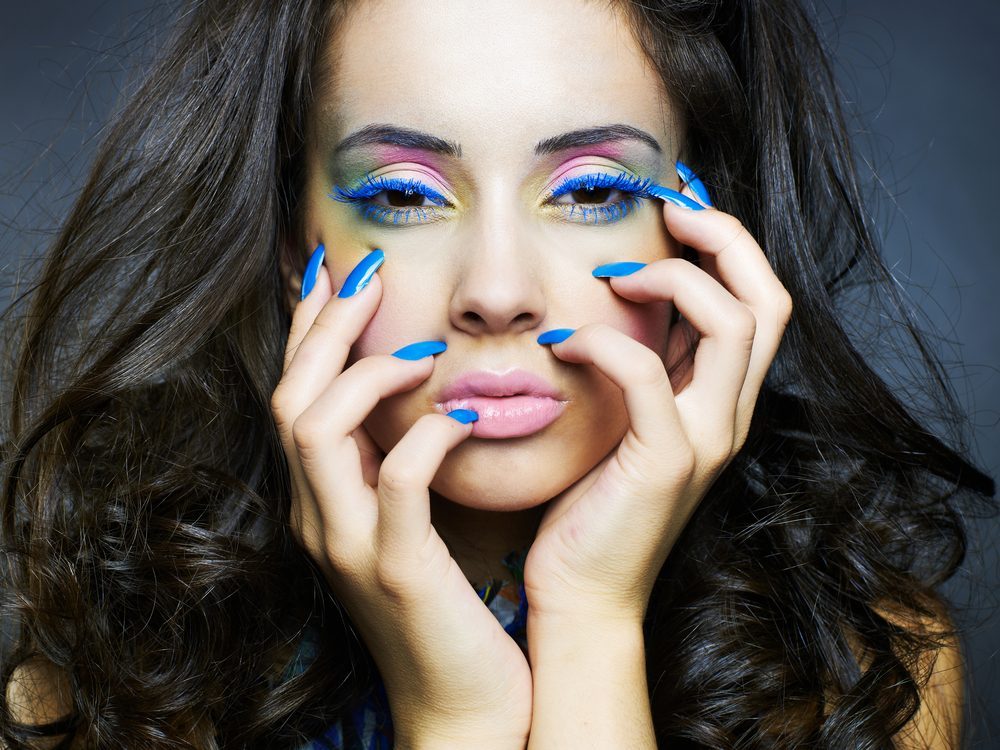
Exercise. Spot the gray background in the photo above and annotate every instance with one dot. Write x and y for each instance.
(921, 75)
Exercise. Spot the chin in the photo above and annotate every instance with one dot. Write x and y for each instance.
(480, 474)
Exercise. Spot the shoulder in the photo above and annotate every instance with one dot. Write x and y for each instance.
(940, 675)
(38, 695)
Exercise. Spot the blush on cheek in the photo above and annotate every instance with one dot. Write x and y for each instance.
(650, 326)
(375, 339)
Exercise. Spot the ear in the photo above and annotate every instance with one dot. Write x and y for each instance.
(291, 267)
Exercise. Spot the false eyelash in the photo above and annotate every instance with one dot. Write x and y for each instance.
(359, 194)
(369, 186)
(622, 181)
(636, 189)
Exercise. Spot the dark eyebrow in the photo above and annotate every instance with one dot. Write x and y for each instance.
(394, 135)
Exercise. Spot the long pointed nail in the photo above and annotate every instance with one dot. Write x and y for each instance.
(694, 182)
(623, 268)
(672, 196)
(555, 336)
(312, 271)
(361, 274)
(420, 349)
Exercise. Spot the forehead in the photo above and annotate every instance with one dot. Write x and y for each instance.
(490, 75)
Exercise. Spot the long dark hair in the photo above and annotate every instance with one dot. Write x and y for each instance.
(145, 492)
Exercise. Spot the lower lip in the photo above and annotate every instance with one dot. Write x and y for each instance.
(508, 416)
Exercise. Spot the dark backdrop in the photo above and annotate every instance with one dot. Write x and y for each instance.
(920, 74)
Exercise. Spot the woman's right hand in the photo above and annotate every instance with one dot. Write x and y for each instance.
(454, 677)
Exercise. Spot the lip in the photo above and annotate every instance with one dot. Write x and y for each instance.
(515, 404)
(511, 383)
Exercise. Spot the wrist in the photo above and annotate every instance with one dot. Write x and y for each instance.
(561, 637)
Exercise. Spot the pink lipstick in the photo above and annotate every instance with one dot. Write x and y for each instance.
(514, 404)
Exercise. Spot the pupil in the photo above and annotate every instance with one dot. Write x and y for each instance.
(591, 194)
(399, 198)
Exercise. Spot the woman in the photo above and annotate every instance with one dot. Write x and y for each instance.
(366, 302)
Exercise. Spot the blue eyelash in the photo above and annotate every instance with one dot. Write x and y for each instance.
(361, 194)
(634, 187)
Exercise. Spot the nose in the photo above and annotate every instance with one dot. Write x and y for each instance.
(500, 279)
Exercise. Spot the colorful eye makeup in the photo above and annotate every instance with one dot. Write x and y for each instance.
(593, 196)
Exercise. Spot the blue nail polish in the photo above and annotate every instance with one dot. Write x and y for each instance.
(672, 196)
(312, 271)
(420, 349)
(361, 274)
(616, 269)
(463, 415)
(555, 335)
(686, 174)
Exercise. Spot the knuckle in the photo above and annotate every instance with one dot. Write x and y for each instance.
(785, 306)
(652, 369)
(683, 463)
(306, 432)
(396, 481)
(744, 323)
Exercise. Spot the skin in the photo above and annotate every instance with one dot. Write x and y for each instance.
(504, 264)
(604, 492)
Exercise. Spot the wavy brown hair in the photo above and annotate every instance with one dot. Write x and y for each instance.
(145, 496)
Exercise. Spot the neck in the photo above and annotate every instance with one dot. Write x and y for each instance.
(480, 539)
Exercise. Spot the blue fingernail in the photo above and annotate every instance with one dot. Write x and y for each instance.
(420, 349)
(617, 269)
(463, 415)
(672, 196)
(555, 335)
(361, 274)
(686, 174)
(312, 271)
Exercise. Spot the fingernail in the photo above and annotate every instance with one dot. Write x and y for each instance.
(463, 415)
(361, 274)
(555, 335)
(617, 269)
(686, 174)
(312, 271)
(672, 196)
(420, 349)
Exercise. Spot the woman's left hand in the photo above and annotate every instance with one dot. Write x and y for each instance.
(601, 543)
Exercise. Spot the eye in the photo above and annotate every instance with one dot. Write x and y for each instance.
(404, 198)
(616, 195)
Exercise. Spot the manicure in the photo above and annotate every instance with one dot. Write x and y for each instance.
(359, 277)
(463, 415)
(312, 271)
(616, 269)
(693, 181)
(672, 196)
(420, 349)
(555, 336)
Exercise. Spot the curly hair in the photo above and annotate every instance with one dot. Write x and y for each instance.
(145, 497)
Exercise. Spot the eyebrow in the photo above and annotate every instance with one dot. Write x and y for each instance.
(395, 135)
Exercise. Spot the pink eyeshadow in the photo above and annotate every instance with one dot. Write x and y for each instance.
(388, 154)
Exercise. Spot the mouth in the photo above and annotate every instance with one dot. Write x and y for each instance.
(515, 404)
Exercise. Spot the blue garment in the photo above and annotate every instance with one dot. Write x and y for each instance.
(372, 719)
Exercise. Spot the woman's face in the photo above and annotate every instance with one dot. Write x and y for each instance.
(481, 106)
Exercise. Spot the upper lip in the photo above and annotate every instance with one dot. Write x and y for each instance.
(486, 383)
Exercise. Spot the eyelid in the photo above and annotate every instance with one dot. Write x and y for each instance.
(370, 182)
(623, 181)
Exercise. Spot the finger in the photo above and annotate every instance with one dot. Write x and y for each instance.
(726, 327)
(305, 313)
(728, 252)
(325, 443)
(633, 367)
(404, 516)
(326, 345)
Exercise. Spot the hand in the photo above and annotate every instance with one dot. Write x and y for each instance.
(452, 674)
(601, 543)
